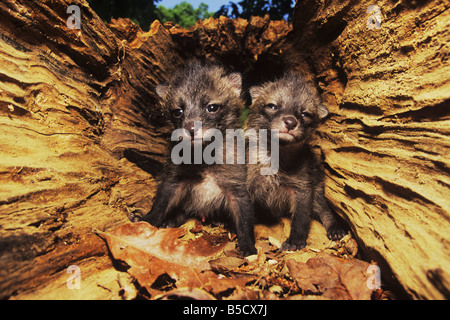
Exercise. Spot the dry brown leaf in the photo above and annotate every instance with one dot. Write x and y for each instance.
(331, 277)
(220, 285)
(225, 264)
(165, 244)
(346, 248)
(252, 294)
(151, 253)
(185, 294)
(161, 259)
(167, 259)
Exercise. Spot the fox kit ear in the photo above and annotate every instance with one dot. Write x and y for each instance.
(161, 90)
(254, 92)
(235, 80)
(322, 110)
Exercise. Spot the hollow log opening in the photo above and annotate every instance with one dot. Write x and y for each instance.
(83, 137)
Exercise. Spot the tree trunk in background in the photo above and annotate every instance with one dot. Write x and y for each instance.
(83, 138)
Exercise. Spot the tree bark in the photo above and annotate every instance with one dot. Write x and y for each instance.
(83, 138)
(74, 106)
(387, 141)
(82, 134)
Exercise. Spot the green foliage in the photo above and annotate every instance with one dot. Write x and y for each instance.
(276, 9)
(184, 14)
(244, 116)
(144, 12)
(141, 11)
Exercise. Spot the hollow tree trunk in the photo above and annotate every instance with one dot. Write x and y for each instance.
(387, 141)
(73, 105)
(82, 136)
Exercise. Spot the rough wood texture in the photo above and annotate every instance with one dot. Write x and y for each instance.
(82, 137)
(387, 142)
(74, 105)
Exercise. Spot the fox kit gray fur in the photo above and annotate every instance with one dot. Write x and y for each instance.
(210, 94)
(297, 189)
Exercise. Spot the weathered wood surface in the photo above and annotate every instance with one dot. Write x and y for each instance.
(82, 136)
(387, 143)
(73, 105)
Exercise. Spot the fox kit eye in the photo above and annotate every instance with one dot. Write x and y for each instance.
(306, 115)
(212, 108)
(272, 106)
(177, 113)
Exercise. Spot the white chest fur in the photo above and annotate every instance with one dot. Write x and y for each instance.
(205, 196)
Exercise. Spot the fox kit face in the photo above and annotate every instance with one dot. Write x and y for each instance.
(288, 105)
(206, 93)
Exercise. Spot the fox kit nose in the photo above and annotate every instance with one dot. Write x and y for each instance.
(290, 122)
(191, 128)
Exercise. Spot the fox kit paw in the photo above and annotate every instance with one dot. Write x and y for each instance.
(335, 232)
(290, 245)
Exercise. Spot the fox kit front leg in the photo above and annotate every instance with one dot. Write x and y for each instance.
(159, 214)
(301, 220)
(323, 211)
(241, 209)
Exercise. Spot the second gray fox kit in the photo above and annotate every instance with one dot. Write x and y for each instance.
(297, 189)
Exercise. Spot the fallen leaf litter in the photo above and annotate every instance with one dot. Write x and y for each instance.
(199, 261)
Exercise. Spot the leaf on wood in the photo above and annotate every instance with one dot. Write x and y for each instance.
(205, 264)
(162, 259)
(164, 244)
(332, 277)
(225, 264)
(152, 253)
